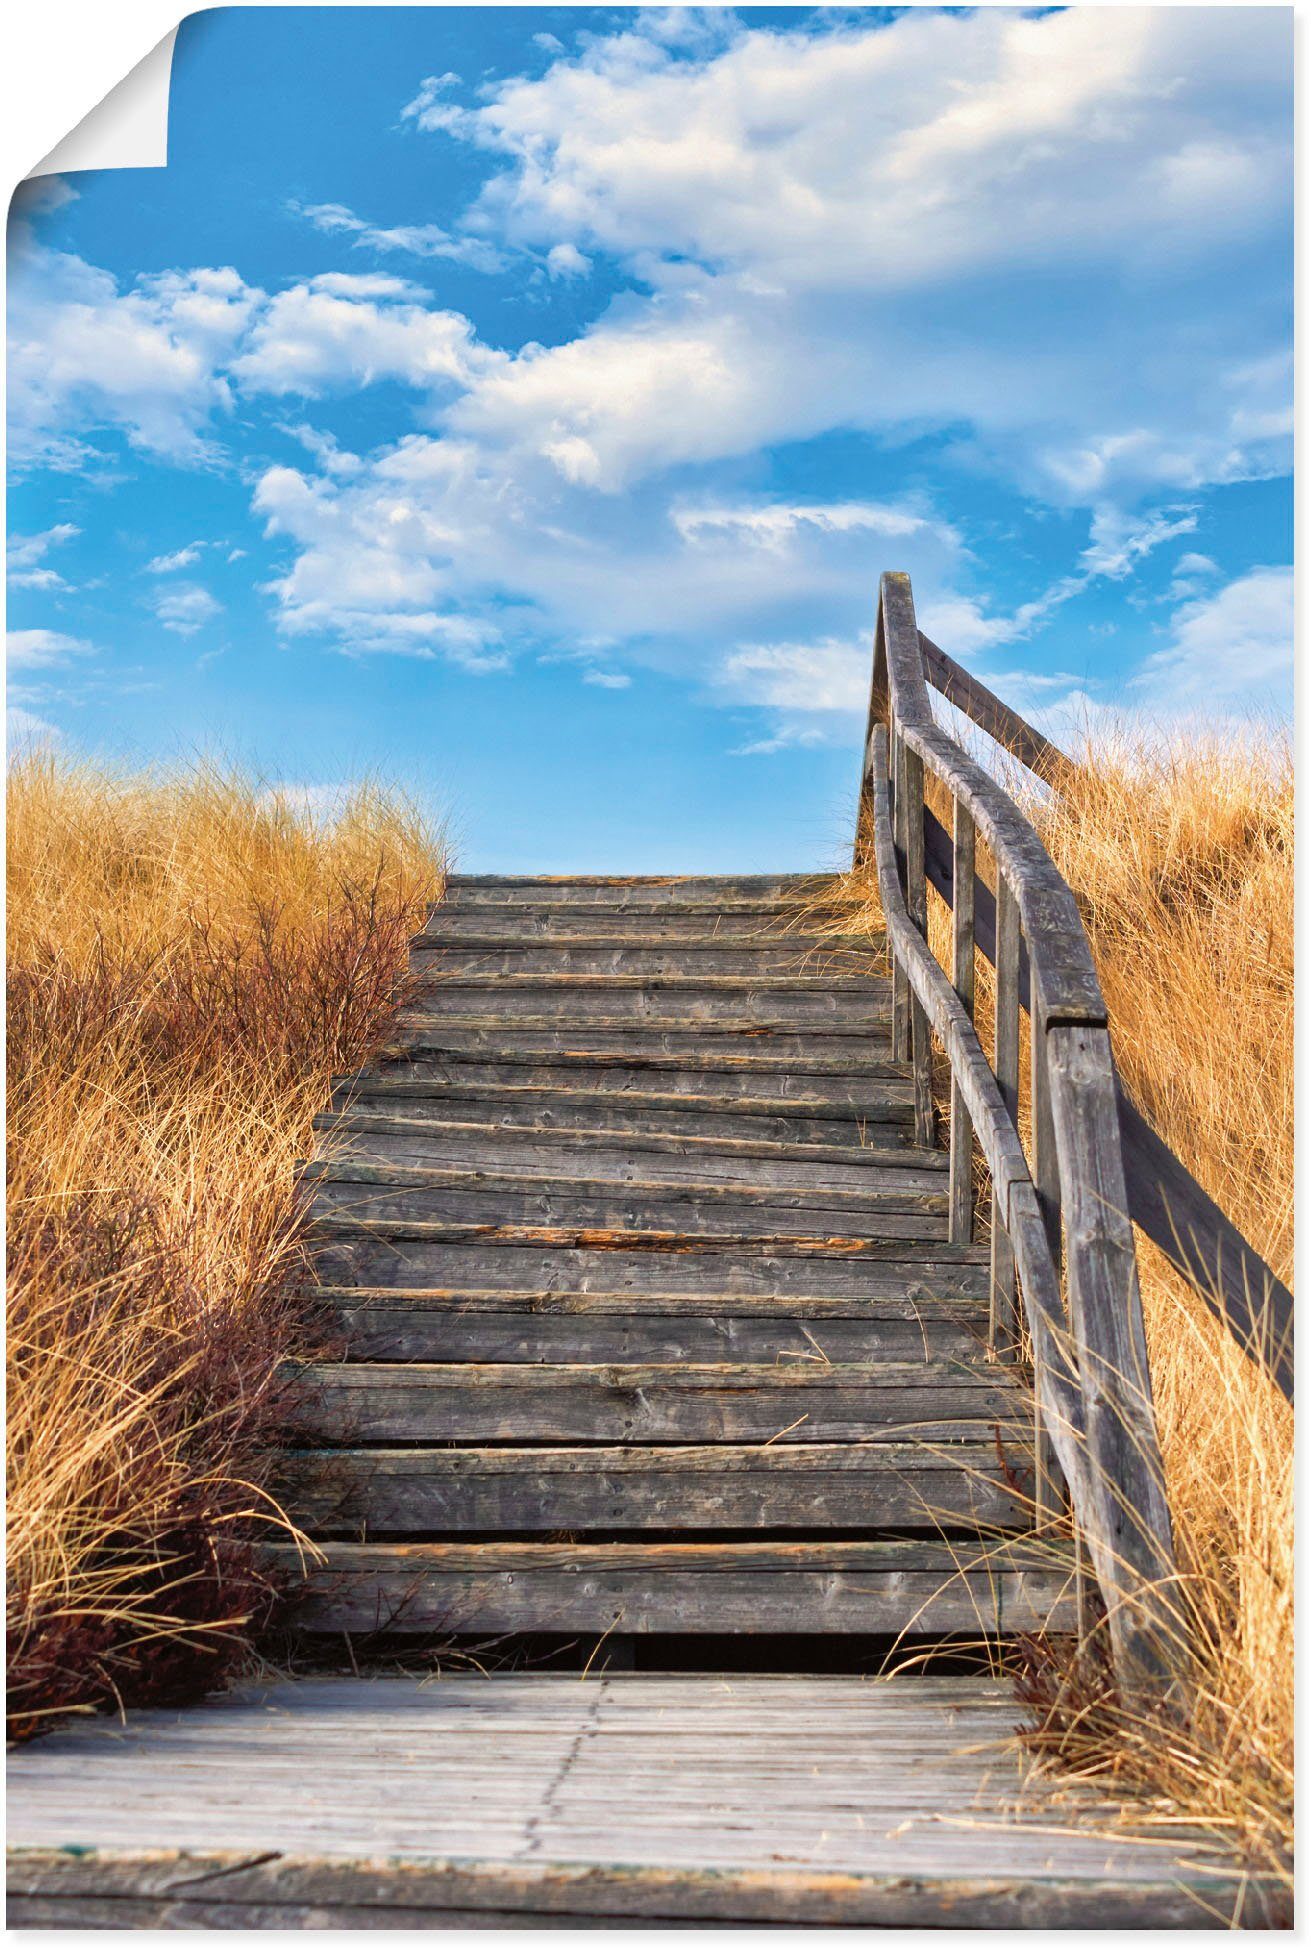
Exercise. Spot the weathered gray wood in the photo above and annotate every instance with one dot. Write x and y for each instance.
(723, 1003)
(1128, 1533)
(917, 906)
(357, 1134)
(1006, 1066)
(1066, 978)
(1048, 1499)
(811, 1488)
(707, 1072)
(385, 1196)
(837, 1799)
(900, 988)
(572, 1261)
(837, 1587)
(1175, 1212)
(961, 1216)
(408, 1329)
(971, 696)
(626, 1039)
(694, 961)
(876, 1127)
(798, 1402)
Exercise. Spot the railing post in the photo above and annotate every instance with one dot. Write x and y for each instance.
(961, 1201)
(917, 902)
(1004, 1326)
(1047, 1185)
(900, 983)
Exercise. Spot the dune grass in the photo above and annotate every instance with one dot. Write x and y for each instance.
(191, 958)
(1180, 850)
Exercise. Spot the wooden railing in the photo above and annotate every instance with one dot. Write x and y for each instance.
(1175, 1212)
(1062, 1239)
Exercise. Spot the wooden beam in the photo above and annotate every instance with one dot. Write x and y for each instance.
(1175, 1212)
(992, 714)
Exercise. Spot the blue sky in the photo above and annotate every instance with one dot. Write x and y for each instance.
(521, 404)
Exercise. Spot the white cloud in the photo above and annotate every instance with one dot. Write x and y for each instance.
(332, 458)
(179, 559)
(831, 226)
(338, 330)
(608, 680)
(567, 261)
(43, 650)
(831, 675)
(27, 567)
(1230, 651)
(772, 525)
(84, 355)
(419, 240)
(184, 607)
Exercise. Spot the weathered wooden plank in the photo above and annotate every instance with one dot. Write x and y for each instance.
(532, 1108)
(1127, 1526)
(812, 1488)
(829, 1587)
(961, 1217)
(627, 1039)
(1006, 1066)
(970, 695)
(382, 1141)
(408, 1330)
(691, 964)
(822, 1079)
(1175, 1212)
(542, 1260)
(799, 1402)
(674, 1206)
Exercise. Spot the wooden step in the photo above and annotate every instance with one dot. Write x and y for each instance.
(580, 1261)
(764, 928)
(758, 1079)
(384, 1194)
(829, 1586)
(699, 1119)
(695, 961)
(622, 1157)
(813, 1488)
(434, 1325)
(732, 1002)
(424, 1034)
(780, 891)
(806, 1401)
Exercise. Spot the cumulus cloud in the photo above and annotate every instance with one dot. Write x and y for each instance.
(184, 607)
(26, 554)
(1231, 651)
(179, 559)
(340, 330)
(43, 650)
(84, 355)
(830, 228)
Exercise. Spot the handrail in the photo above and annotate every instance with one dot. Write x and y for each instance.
(1172, 1207)
(1109, 1451)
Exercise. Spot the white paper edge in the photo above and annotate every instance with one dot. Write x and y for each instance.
(128, 129)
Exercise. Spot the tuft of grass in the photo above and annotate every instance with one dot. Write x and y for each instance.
(1179, 847)
(191, 959)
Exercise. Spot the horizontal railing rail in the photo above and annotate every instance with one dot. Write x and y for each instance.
(1173, 1209)
(1062, 1241)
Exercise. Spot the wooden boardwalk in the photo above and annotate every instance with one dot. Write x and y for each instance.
(555, 1801)
(657, 1303)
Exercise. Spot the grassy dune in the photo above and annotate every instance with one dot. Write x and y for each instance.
(1181, 853)
(190, 960)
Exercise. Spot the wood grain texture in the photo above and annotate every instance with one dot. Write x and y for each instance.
(548, 1800)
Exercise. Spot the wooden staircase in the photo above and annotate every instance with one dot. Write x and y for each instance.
(649, 1316)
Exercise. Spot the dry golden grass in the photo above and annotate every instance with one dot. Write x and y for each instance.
(190, 960)
(1180, 849)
